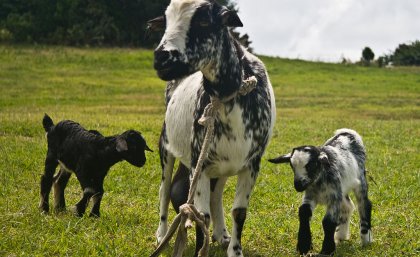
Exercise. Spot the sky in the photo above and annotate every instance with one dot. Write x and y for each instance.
(328, 30)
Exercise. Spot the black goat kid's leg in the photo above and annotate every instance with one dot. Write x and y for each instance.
(60, 183)
(47, 181)
(329, 224)
(304, 244)
(96, 199)
(88, 192)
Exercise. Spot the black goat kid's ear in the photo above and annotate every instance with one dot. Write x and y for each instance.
(157, 24)
(231, 19)
(121, 145)
(282, 159)
(148, 149)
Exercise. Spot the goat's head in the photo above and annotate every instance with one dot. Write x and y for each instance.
(132, 146)
(306, 162)
(193, 29)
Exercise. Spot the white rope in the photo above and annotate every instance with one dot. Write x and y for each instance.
(188, 213)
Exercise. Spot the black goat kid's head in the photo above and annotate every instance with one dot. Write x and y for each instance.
(306, 162)
(193, 29)
(132, 146)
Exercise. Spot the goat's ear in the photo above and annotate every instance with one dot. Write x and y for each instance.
(157, 24)
(282, 159)
(148, 148)
(230, 18)
(323, 158)
(121, 145)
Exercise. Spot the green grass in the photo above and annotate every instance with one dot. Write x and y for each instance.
(112, 90)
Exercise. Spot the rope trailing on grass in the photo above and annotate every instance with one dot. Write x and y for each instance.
(188, 213)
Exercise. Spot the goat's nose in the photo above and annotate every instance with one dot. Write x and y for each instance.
(161, 59)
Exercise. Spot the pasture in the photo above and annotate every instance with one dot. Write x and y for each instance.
(112, 90)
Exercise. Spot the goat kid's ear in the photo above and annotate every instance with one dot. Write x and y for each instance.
(121, 145)
(282, 159)
(156, 24)
(148, 148)
(323, 158)
(230, 18)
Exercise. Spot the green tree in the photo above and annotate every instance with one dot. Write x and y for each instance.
(367, 55)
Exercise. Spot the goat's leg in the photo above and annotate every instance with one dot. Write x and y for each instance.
(88, 192)
(343, 229)
(180, 187)
(96, 198)
(167, 161)
(47, 181)
(329, 224)
(304, 244)
(244, 187)
(202, 203)
(365, 210)
(60, 184)
(220, 233)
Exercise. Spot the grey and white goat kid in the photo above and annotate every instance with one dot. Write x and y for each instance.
(327, 174)
(89, 155)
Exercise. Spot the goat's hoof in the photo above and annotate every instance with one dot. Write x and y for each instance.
(77, 212)
(224, 241)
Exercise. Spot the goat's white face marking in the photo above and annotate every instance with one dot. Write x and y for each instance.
(299, 160)
(178, 19)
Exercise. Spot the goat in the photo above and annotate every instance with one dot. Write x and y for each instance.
(201, 59)
(89, 155)
(327, 174)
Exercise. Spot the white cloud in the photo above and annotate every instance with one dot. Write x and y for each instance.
(328, 29)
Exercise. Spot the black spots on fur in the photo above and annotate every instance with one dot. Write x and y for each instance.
(239, 216)
(329, 225)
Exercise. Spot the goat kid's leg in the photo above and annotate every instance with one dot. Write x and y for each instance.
(60, 183)
(244, 187)
(343, 229)
(365, 211)
(220, 233)
(47, 181)
(167, 162)
(97, 198)
(88, 192)
(304, 244)
(329, 224)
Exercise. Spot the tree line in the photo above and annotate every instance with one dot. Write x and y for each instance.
(82, 22)
(406, 54)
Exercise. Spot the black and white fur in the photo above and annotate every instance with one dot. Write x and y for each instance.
(200, 58)
(89, 155)
(327, 174)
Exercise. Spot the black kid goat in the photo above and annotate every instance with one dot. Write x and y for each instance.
(89, 155)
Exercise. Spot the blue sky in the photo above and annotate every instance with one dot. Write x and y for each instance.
(328, 30)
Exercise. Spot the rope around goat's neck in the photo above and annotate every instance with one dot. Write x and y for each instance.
(188, 213)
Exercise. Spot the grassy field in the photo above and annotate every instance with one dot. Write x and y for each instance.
(112, 90)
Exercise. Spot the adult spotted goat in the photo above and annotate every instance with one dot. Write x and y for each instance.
(202, 63)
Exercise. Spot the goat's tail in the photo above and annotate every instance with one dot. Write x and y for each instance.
(47, 123)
